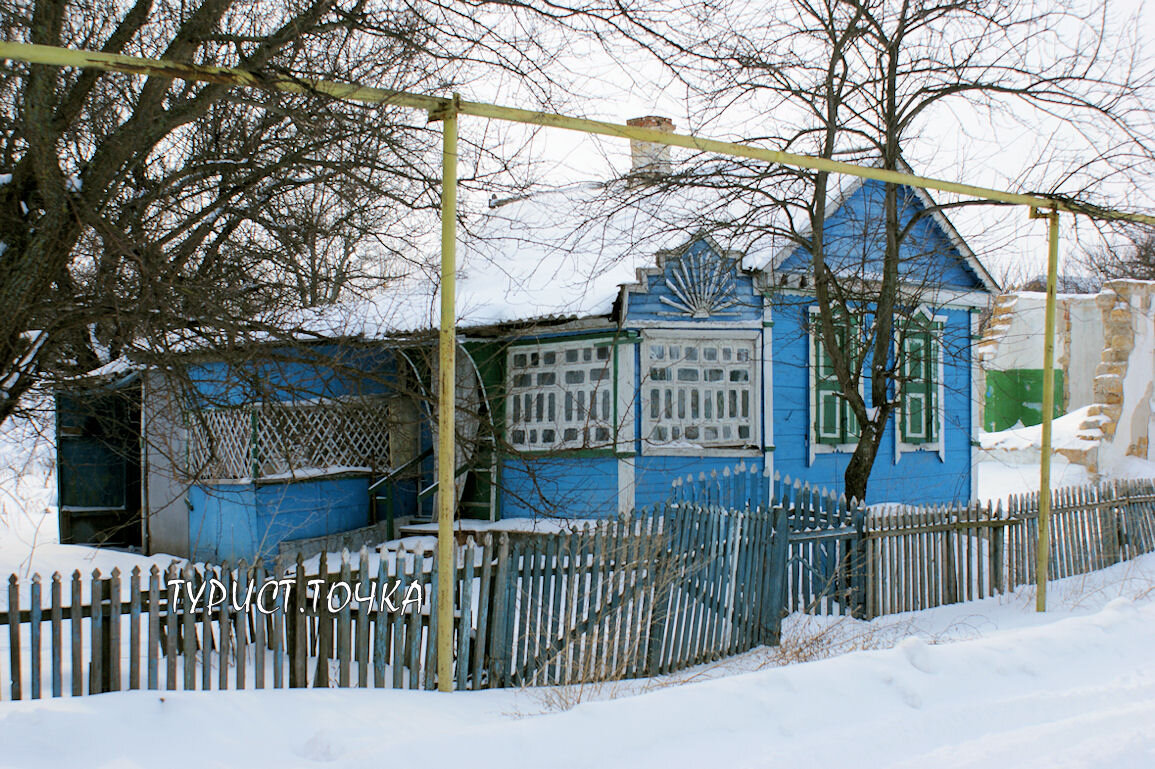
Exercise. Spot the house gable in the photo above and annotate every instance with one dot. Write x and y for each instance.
(933, 253)
(699, 283)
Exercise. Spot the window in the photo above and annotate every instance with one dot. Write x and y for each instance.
(560, 395)
(834, 421)
(920, 365)
(699, 392)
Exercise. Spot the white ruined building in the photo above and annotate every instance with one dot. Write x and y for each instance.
(1105, 353)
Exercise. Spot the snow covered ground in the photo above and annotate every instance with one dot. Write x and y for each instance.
(986, 684)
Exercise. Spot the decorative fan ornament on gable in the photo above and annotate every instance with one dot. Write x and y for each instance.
(702, 284)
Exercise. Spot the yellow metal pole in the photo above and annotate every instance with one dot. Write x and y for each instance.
(1043, 545)
(446, 396)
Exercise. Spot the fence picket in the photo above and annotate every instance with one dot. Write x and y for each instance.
(188, 617)
(57, 638)
(134, 598)
(344, 619)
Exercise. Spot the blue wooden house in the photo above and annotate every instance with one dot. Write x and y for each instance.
(606, 349)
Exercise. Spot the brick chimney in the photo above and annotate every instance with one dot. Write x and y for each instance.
(648, 158)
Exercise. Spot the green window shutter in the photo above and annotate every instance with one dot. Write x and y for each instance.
(829, 408)
(835, 423)
(920, 358)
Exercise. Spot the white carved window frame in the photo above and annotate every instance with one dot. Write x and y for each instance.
(709, 434)
(549, 386)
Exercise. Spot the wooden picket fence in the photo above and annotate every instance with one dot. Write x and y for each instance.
(686, 582)
(653, 593)
(825, 553)
(845, 559)
(918, 558)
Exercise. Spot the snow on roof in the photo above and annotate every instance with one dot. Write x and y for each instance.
(566, 252)
(559, 253)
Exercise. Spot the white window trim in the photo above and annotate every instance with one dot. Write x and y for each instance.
(560, 346)
(668, 336)
(816, 447)
(939, 446)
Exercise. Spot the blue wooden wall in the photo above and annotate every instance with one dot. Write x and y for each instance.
(919, 476)
(282, 374)
(242, 520)
(581, 485)
(233, 521)
(854, 241)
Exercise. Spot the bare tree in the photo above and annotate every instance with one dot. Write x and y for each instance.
(134, 208)
(1133, 258)
(859, 80)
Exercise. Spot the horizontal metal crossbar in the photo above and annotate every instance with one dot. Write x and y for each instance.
(439, 107)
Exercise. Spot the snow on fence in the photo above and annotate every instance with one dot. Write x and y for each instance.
(654, 593)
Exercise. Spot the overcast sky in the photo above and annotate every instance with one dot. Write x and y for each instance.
(954, 145)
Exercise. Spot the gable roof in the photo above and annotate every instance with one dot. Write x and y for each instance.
(855, 186)
(570, 252)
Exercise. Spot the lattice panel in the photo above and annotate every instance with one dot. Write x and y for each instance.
(318, 436)
(284, 438)
(220, 443)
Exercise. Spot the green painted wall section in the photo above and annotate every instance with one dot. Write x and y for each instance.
(490, 360)
(1017, 396)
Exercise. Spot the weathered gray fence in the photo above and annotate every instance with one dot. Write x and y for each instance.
(701, 577)
(653, 593)
(918, 558)
(825, 566)
(897, 558)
